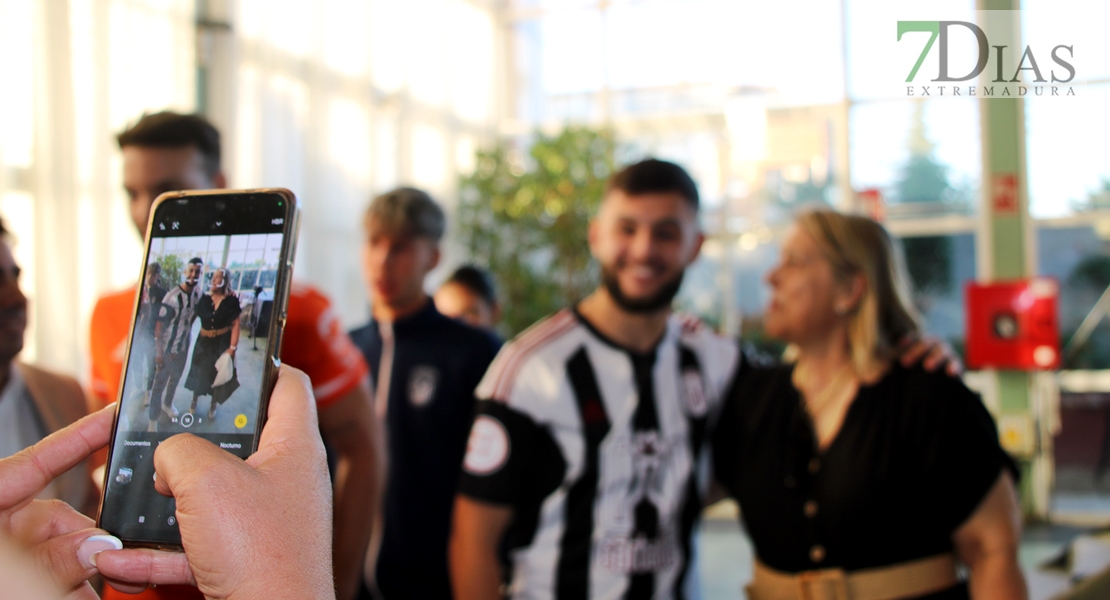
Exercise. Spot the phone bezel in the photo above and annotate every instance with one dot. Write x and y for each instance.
(274, 337)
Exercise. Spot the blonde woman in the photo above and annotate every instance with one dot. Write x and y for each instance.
(218, 312)
(859, 478)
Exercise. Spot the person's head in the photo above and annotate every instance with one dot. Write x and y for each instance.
(470, 296)
(403, 229)
(165, 152)
(221, 283)
(13, 304)
(645, 234)
(841, 274)
(153, 273)
(193, 271)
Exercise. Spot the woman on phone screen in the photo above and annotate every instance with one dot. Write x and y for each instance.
(218, 313)
(858, 478)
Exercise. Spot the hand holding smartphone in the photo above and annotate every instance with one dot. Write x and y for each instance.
(205, 343)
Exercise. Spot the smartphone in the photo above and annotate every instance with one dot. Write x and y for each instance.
(205, 342)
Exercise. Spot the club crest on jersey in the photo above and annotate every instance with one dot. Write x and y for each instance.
(693, 393)
(422, 385)
(487, 450)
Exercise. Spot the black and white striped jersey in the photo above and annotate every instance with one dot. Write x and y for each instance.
(177, 313)
(599, 452)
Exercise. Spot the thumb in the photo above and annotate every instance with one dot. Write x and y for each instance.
(71, 558)
(184, 459)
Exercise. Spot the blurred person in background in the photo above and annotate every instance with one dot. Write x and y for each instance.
(581, 474)
(470, 295)
(167, 151)
(35, 402)
(580, 478)
(854, 472)
(426, 367)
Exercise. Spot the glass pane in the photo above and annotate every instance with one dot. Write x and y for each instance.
(1076, 23)
(17, 101)
(923, 155)
(706, 39)
(870, 25)
(939, 266)
(1078, 256)
(1066, 153)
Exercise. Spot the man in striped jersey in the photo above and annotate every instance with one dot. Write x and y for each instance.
(581, 473)
(171, 340)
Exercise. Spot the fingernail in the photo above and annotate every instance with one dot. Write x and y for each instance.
(87, 551)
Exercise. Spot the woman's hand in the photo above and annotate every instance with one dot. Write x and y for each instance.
(254, 529)
(63, 543)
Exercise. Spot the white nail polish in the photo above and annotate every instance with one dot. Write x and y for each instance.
(111, 539)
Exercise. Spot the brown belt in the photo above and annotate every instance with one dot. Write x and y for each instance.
(908, 579)
(215, 332)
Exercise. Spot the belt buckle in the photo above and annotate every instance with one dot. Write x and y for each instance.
(826, 584)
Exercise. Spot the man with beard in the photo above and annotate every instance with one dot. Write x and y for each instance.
(35, 403)
(171, 340)
(581, 473)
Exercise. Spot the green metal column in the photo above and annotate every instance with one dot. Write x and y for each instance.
(1004, 234)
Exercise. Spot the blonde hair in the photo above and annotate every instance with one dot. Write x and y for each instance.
(225, 289)
(856, 245)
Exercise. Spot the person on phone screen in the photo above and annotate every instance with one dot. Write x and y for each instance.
(218, 311)
(169, 151)
(150, 305)
(171, 342)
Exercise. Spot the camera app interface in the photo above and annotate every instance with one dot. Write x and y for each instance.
(199, 347)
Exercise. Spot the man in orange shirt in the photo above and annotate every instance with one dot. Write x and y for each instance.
(168, 151)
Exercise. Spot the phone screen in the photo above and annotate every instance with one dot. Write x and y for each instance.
(200, 352)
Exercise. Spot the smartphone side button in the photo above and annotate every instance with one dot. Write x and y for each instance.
(280, 336)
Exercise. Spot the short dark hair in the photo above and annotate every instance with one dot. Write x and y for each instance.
(168, 129)
(196, 261)
(407, 211)
(477, 280)
(654, 176)
(154, 267)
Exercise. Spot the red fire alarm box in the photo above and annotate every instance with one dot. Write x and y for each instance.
(1013, 325)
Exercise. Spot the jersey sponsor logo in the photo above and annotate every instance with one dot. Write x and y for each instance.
(639, 554)
(422, 384)
(487, 450)
(697, 405)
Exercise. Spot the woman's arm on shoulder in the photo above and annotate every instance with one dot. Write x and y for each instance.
(988, 543)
